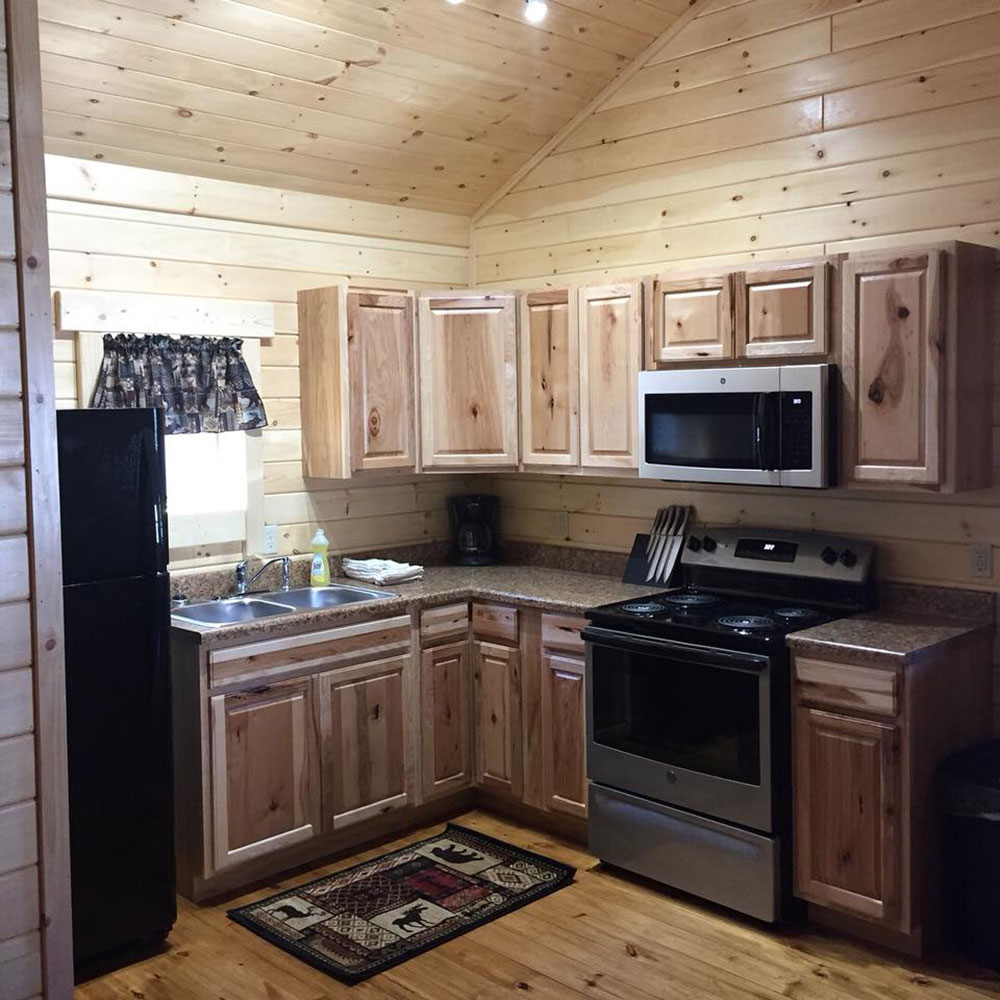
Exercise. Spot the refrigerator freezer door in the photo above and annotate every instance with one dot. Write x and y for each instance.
(120, 763)
(113, 493)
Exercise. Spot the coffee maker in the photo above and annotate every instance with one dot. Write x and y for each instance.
(473, 527)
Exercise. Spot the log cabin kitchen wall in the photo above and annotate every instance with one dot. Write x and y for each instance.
(768, 130)
(219, 239)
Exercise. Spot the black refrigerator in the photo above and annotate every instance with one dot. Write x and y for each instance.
(116, 594)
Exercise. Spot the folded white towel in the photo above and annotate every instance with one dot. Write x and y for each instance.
(381, 571)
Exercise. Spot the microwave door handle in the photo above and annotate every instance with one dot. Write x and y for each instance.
(767, 448)
(760, 429)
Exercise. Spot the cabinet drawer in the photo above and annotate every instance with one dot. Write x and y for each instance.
(847, 686)
(495, 621)
(444, 624)
(296, 654)
(563, 632)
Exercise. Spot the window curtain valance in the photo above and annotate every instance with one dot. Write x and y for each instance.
(202, 384)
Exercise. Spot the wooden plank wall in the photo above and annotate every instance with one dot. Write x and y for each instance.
(124, 229)
(35, 927)
(770, 128)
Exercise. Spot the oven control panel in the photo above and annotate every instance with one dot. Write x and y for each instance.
(788, 553)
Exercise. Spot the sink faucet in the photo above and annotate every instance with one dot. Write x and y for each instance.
(243, 584)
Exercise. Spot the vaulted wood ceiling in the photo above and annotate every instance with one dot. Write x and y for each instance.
(399, 101)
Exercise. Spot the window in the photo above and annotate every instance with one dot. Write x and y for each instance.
(207, 490)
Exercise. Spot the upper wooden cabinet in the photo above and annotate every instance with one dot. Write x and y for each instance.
(770, 312)
(781, 312)
(357, 382)
(468, 379)
(610, 349)
(550, 378)
(380, 346)
(692, 319)
(917, 368)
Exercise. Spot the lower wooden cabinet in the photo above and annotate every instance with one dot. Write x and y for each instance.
(849, 845)
(867, 741)
(445, 709)
(563, 718)
(364, 741)
(264, 770)
(497, 699)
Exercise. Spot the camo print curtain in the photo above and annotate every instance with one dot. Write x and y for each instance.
(201, 383)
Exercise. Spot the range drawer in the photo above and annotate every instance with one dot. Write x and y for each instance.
(847, 686)
(718, 862)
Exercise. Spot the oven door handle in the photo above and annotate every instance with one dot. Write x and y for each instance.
(748, 662)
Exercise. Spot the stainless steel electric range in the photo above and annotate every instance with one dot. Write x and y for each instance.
(688, 714)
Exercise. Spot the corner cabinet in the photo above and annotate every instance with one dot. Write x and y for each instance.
(610, 319)
(468, 380)
(917, 368)
(356, 353)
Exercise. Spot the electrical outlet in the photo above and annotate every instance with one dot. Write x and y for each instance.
(562, 524)
(981, 560)
(270, 539)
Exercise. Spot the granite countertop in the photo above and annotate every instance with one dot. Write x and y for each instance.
(525, 586)
(882, 638)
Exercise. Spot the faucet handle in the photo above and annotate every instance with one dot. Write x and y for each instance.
(286, 566)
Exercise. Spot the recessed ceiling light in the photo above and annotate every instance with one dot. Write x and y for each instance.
(455, 3)
(535, 11)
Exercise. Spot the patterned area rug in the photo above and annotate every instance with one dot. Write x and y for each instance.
(363, 920)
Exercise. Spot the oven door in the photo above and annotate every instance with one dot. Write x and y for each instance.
(686, 725)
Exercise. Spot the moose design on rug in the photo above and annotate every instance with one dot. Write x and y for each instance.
(413, 918)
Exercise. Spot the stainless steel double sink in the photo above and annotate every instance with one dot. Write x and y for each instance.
(232, 610)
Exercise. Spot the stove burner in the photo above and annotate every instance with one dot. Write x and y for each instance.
(643, 608)
(691, 600)
(746, 622)
(799, 613)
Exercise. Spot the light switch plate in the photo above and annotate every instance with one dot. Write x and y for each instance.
(981, 560)
(270, 539)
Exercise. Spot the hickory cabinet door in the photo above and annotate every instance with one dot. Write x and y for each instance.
(364, 741)
(782, 312)
(445, 719)
(692, 319)
(847, 785)
(265, 770)
(497, 698)
(610, 349)
(380, 338)
(563, 714)
(893, 355)
(550, 378)
(468, 380)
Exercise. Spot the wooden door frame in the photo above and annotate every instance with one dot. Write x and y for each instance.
(44, 534)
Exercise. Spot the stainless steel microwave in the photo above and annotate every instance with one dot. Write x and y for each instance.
(754, 426)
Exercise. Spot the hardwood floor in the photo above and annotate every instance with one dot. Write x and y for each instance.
(606, 937)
